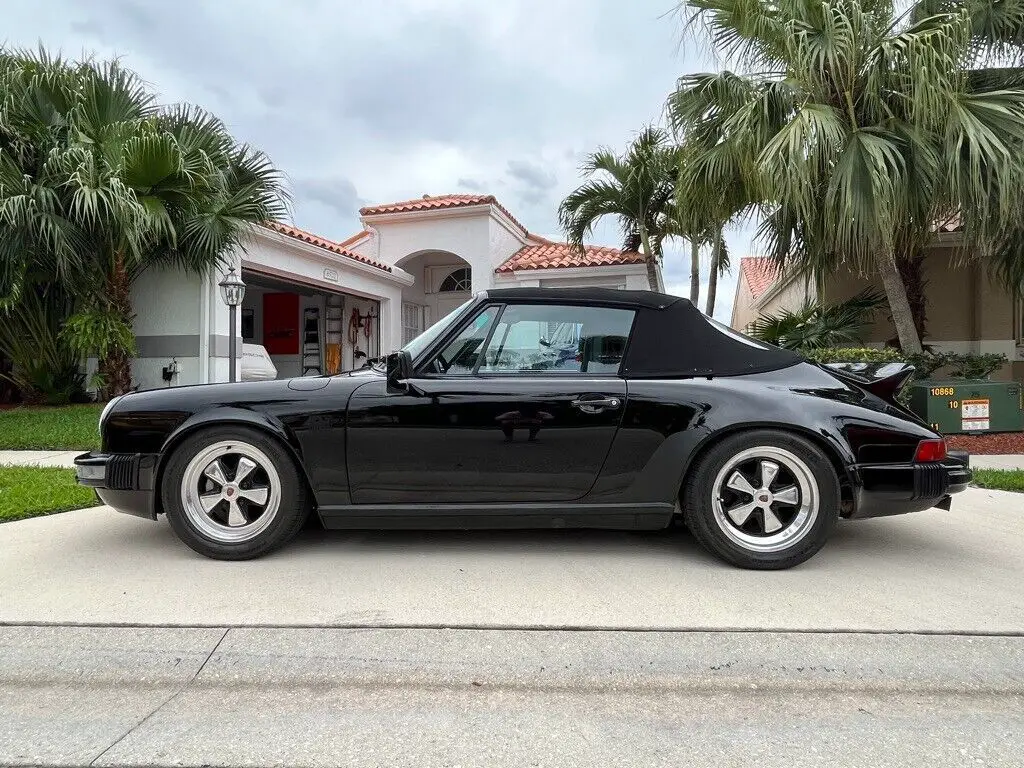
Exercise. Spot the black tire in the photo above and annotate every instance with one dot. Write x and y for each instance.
(208, 537)
(707, 514)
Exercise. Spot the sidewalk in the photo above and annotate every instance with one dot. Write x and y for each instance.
(39, 458)
(105, 696)
(1007, 461)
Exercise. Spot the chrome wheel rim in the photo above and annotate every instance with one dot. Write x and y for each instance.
(231, 492)
(765, 499)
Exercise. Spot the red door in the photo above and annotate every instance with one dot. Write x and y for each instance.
(281, 323)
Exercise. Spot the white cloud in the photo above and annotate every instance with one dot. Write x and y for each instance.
(387, 100)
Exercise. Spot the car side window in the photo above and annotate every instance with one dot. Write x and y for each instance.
(554, 338)
(460, 355)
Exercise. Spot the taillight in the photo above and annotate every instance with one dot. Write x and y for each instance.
(930, 450)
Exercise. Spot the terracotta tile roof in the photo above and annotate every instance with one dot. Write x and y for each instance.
(760, 273)
(541, 253)
(355, 238)
(437, 202)
(322, 242)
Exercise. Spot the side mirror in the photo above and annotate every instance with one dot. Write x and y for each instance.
(398, 367)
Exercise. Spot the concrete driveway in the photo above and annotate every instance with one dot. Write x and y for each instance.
(958, 571)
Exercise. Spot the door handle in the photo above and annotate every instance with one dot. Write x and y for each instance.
(596, 405)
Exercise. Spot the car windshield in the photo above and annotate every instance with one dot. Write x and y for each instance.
(424, 340)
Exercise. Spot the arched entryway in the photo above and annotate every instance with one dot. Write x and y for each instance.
(443, 281)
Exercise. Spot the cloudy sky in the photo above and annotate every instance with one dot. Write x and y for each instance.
(364, 101)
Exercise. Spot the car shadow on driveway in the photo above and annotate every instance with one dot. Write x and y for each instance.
(870, 542)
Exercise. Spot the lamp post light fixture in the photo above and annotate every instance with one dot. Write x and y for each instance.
(232, 290)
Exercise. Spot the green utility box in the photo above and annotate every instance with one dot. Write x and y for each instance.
(959, 406)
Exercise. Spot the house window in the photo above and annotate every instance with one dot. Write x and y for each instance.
(459, 280)
(412, 322)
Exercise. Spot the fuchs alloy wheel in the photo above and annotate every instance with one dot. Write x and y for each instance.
(233, 493)
(762, 499)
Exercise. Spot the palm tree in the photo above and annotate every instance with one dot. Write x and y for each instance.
(704, 211)
(637, 187)
(98, 184)
(817, 326)
(860, 127)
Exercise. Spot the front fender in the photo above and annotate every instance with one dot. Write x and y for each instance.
(217, 416)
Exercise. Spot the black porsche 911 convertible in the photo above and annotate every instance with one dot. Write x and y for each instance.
(533, 408)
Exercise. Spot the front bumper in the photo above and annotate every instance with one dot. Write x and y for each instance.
(895, 489)
(124, 481)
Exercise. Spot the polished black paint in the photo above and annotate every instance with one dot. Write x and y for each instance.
(420, 450)
(481, 439)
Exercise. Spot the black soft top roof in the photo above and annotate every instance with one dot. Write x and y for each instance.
(610, 296)
(671, 338)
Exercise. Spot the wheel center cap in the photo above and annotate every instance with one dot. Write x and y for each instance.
(764, 498)
(229, 491)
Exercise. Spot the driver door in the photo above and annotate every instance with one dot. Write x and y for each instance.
(501, 413)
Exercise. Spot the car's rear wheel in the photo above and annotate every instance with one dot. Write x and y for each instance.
(233, 493)
(763, 499)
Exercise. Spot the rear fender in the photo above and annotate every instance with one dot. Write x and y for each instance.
(827, 438)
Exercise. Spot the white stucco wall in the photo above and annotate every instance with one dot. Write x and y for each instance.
(626, 276)
(169, 317)
(182, 317)
(504, 240)
(472, 234)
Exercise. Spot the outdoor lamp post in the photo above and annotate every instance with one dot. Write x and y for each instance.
(232, 290)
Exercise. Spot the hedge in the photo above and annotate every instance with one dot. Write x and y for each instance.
(957, 366)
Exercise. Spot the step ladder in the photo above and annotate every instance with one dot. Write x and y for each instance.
(334, 318)
(312, 354)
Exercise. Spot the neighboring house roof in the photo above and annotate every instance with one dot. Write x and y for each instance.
(760, 273)
(541, 253)
(437, 203)
(322, 242)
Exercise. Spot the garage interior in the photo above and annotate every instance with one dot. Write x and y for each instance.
(306, 330)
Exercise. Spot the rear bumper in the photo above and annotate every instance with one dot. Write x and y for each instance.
(124, 481)
(895, 489)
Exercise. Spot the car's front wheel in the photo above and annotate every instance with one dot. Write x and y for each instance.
(762, 499)
(233, 493)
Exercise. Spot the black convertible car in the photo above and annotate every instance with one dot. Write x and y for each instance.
(532, 408)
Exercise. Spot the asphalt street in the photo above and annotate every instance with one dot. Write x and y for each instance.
(242, 697)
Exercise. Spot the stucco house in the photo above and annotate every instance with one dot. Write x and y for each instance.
(320, 306)
(967, 312)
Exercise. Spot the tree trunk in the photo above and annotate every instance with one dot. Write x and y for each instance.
(650, 258)
(116, 366)
(896, 292)
(652, 271)
(716, 265)
(912, 273)
(694, 272)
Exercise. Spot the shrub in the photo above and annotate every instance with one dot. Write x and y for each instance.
(958, 366)
(818, 326)
(974, 366)
(45, 368)
(854, 355)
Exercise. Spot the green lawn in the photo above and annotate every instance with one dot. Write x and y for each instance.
(35, 491)
(1000, 479)
(68, 428)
